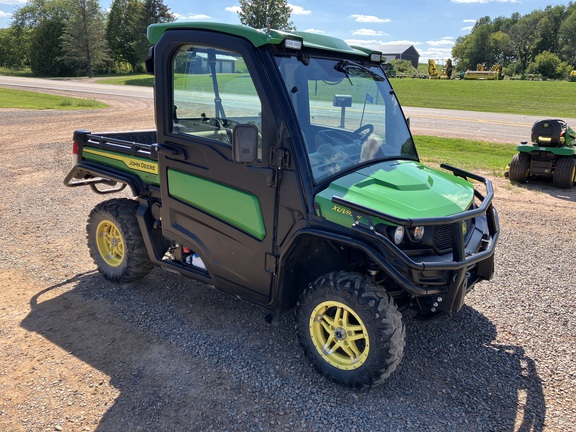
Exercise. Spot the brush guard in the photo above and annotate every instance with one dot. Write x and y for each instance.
(461, 277)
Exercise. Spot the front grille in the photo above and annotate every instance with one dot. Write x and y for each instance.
(443, 235)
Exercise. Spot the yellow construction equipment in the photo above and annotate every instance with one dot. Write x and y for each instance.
(435, 74)
(481, 73)
(432, 70)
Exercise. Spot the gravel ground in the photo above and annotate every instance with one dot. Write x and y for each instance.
(78, 353)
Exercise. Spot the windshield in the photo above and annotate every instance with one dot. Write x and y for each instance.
(348, 114)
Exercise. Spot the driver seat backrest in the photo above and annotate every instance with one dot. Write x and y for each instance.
(548, 132)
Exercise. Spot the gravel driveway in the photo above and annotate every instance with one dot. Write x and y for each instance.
(78, 353)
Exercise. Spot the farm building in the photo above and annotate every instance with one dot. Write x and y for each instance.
(401, 52)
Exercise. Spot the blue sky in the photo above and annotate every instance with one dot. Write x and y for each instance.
(432, 26)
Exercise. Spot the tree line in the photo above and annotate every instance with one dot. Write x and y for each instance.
(75, 37)
(540, 42)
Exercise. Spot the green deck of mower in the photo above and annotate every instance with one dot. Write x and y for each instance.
(551, 154)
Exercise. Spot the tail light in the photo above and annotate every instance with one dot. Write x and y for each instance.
(76, 158)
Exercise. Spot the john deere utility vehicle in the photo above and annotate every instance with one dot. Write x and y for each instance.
(282, 170)
(551, 154)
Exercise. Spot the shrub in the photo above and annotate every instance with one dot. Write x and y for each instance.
(549, 65)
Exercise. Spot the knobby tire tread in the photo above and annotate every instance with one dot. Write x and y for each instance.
(519, 167)
(564, 173)
(122, 212)
(382, 319)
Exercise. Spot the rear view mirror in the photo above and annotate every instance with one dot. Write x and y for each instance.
(149, 62)
(245, 143)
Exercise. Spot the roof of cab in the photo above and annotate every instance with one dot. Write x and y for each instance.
(259, 37)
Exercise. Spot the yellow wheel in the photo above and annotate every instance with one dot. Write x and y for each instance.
(115, 241)
(110, 243)
(339, 335)
(350, 329)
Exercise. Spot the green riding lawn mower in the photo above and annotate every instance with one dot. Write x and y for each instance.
(551, 154)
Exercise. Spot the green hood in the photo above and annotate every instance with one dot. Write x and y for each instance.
(404, 189)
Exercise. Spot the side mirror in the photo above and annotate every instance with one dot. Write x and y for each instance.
(149, 62)
(245, 143)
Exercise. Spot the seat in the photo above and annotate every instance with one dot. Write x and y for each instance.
(549, 132)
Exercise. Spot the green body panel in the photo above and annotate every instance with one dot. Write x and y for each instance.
(405, 189)
(238, 208)
(323, 42)
(144, 168)
(259, 37)
(558, 151)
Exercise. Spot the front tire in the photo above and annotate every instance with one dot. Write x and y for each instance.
(564, 173)
(115, 241)
(350, 329)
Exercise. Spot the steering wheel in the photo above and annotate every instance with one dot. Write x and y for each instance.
(363, 132)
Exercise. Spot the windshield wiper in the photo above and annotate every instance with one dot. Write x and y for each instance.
(343, 66)
(356, 69)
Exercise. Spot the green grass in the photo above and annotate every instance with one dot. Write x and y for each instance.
(538, 98)
(143, 80)
(201, 82)
(466, 154)
(10, 98)
(25, 72)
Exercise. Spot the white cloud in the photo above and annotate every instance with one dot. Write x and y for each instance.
(469, 20)
(233, 9)
(191, 17)
(316, 31)
(368, 32)
(484, 1)
(5, 14)
(438, 50)
(436, 54)
(441, 42)
(467, 28)
(372, 44)
(402, 42)
(299, 10)
(198, 16)
(369, 19)
(13, 2)
(379, 44)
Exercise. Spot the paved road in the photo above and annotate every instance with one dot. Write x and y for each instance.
(77, 86)
(482, 126)
(504, 128)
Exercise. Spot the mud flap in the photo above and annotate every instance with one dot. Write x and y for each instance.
(456, 293)
(485, 268)
(459, 297)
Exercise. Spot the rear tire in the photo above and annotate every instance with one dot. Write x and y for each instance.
(115, 241)
(564, 173)
(350, 329)
(519, 167)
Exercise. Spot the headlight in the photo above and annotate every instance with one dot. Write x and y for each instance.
(294, 44)
(399, 235)
(418, 233)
